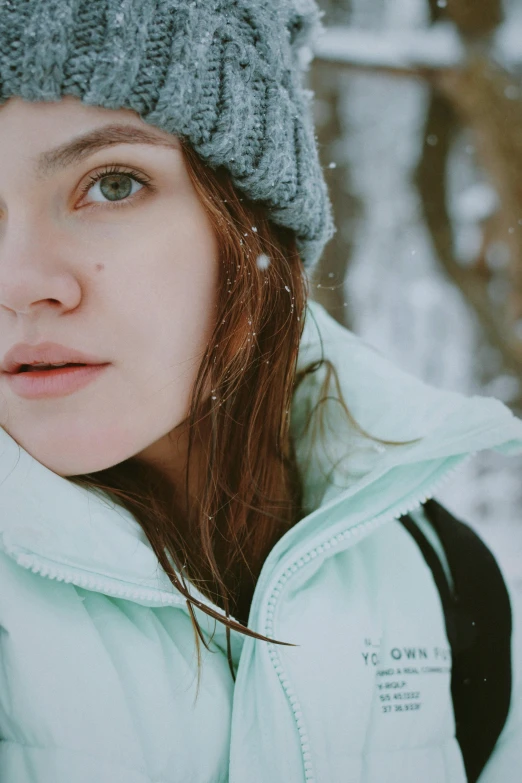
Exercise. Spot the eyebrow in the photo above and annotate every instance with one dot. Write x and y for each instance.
(81, 147)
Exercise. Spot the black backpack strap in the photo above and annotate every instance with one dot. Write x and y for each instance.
(479, 626)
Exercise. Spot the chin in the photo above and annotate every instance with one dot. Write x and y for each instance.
(69, 453)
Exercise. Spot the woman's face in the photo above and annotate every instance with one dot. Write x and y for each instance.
(121, 270)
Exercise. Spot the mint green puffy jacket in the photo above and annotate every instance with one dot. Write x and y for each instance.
(97, 653)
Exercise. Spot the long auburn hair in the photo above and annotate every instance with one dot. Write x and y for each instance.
(252, 491)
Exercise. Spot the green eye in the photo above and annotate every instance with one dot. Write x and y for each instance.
(116, 186)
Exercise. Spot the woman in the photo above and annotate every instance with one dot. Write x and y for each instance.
(220, 555)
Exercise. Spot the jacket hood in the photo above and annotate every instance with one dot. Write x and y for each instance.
(60, 530)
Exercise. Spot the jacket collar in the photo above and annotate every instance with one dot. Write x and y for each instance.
(83, 532)
(389, 404)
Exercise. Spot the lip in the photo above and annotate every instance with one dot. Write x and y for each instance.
(39, 384)
(45, 353)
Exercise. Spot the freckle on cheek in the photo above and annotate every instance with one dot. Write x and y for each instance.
(100, 267)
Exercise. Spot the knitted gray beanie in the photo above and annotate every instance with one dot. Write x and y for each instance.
(226, 75)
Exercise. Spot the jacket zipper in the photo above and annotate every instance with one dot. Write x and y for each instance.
(158, 598)
(38, 565)
(356, 532)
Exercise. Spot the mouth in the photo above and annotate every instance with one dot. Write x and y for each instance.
(45, 356)
(46, 368)
(35, 382)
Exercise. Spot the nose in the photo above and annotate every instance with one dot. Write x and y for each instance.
(33, 273)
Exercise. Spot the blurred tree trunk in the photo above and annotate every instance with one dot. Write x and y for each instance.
(480, 94)
(329, 83)
(477, 96)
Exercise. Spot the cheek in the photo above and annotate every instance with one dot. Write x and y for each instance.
(168, 305)
(186, 291)
(160, 280)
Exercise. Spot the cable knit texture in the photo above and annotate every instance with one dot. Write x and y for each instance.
(226, 75)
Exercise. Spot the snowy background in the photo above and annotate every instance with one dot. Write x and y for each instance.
(386, 281)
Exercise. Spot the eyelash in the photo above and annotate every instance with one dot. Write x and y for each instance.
(114, 169)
